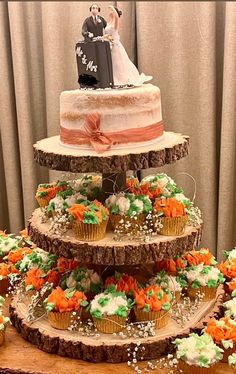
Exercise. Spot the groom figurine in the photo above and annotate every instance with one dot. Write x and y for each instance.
(93, 26)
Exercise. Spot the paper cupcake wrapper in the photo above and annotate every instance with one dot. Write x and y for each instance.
(161, 318)
(4, 285)
(209, 293)
(133, 224)
(62, 321)
(177, 296)
(187, 369)
(110, 324)
(172, 226)
(43, 202)
(2, 337)
(89, 232)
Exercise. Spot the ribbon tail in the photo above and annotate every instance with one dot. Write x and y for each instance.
(101, 144)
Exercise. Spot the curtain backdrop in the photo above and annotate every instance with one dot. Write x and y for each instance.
(188, 47)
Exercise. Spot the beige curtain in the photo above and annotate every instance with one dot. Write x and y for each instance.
(188, 47)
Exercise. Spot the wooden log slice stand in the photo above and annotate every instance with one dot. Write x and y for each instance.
(113, 165)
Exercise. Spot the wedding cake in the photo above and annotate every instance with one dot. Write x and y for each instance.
(104, 118)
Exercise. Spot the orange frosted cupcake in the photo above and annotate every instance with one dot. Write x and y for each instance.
(153, 304)
(64, 307)
(124, 283)
(171, 215)
(89, 220)
(46, 192)
(223, 332)
(8, 276)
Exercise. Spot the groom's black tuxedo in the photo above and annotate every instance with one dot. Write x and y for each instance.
(96, 28)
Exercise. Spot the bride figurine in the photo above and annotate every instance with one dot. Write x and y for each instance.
(124, 71)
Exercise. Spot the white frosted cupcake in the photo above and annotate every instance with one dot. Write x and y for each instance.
(168, 282)
(7, 244)
(128, 211)
(110, 310)
(198, 354)
(203, 279)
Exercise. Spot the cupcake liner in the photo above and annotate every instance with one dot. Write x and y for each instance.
(110, 324)
(42, 201)
(187, 369)
(2, 337)
(62, 321)
(133, 223)
(161, 318)
(172, 225)
(88, 231)
(4, 285)
(209, 293)
(177, 296)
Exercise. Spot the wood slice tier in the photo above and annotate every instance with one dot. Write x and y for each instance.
(108, 347)
(169, 148)
(109, 251)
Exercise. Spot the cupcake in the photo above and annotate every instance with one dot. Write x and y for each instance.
(197, 354)
(110, 310)
(83, 279)
(46, 192)
(171, 215)
(17, 255)
(153, 304)
(37, 258)
(89, 220)
(223, 332)
(124, 283)
(133, 185)
(203, 256)
(64, 307)
(232, 362)
(36, 278)
(66, 264)
(64, 200)
(7, 244)
(172, 266)
(204, 279)
(228, 268)
(230, 308)
(230, 287)
(159, 185)
(3, 322)
(167, 282)
(127, 211)
(89, 186)
(8, 277)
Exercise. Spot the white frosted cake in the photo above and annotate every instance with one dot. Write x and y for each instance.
(104, 118)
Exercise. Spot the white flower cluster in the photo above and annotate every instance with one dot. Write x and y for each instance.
(195, 274)
(114, 302)
(193, 351)
(90, 276)
(168, 281)
(230, 307)
(7, 244)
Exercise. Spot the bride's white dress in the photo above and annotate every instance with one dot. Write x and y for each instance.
(124, 71)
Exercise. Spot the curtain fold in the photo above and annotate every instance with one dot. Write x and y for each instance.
(190, 50)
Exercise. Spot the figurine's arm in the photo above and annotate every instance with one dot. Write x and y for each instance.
(85, 32)
(115, 16)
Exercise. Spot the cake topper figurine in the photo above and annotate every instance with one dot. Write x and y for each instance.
(124, 71)
(94, 25)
